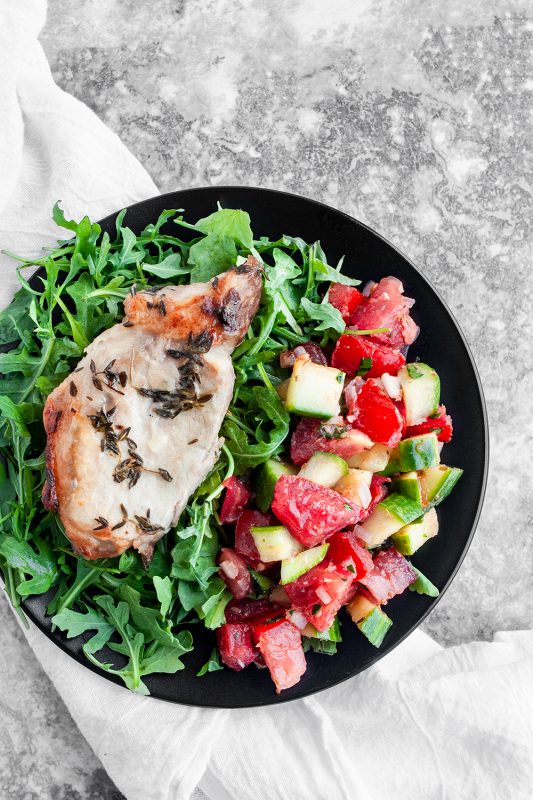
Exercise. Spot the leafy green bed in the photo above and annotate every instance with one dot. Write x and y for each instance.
(141, 614)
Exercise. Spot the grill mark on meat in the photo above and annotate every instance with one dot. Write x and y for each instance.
(228, 311)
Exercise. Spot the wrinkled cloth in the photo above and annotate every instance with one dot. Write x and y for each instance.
(425, 722)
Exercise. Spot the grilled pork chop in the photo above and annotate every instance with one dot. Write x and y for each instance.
(134, 430)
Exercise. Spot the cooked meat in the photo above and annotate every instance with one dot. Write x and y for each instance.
(134, 430)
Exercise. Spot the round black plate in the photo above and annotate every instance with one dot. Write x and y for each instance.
(441, 344)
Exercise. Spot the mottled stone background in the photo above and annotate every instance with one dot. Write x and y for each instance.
(412, 115)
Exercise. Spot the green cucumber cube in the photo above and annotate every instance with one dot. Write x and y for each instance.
(265, 479)
(408, 484)
(389, 516)
(314, 390)
(411, 537)
(421, 392)
(292, 568)
(419, 452)
(375, 626)
(324, 468)
(437, 482)
(274, 543)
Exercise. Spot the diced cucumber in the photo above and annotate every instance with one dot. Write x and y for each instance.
(423, 585)
(332, 634)
(373, 460)
(274, 543)
(419, 452)
(393, 464)
(292, 568)
(403, 508)
(265, 479)
(437, 483)
(409, 485)
(355, 486)
(389, 516)
(375, 626)
(314, 390)
(421, 391)
(360, 607)
(324, 468)
(411, 537)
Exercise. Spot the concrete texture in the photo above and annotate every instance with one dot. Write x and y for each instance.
(413, 116)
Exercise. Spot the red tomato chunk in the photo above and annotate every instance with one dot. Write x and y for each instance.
(345, 298)
(280, 644)
(344, 550)
(342, 440)
(387, 307)
(236, 499)
(441, 422)
(349, 351)
(320, 593)
(235, 573)
(310, 511)
(374, 413)
(244, 542)
(391, 575)
(236, 645)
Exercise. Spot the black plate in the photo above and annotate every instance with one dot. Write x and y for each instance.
(441, 343)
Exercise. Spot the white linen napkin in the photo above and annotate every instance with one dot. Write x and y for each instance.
(425, 722)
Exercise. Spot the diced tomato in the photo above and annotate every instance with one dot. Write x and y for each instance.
(236, 499)
(309, 438)
(247, 610)
(350, 350)
(288, 357)
(320, 593)
(244, 542)
(391, 575)
(310, 511)
(236, 645)
(387, 307)
(280, 645)
(375, 414)
(235, 573)
(441, 422)
(344, 550)
(345, 298)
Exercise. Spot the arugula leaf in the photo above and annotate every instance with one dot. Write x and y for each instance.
(423, 585)
(15, 320)
(170, 267)
(211, 665)
(268, 408)
(331, 318)
(11, 412)
(163, 590)
(211, 256)
(40, 565)
(75, 623)
(231, 223)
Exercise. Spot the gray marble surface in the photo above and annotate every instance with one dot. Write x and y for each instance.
(413, 116)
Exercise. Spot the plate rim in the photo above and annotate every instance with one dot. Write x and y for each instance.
(276, 699)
